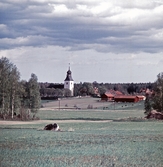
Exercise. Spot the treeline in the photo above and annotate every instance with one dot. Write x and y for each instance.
(100, 88)
(18, 98)
(51, 91)
(92, 89)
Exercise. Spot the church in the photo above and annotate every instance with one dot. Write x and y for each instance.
(69, 82)
(50, 91)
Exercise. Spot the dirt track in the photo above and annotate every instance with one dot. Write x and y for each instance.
(45, 121)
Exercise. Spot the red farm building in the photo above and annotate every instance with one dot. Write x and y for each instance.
(107, 97)
(126, 98)
(118, 96)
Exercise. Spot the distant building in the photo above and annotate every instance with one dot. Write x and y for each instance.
(117, 96)
(69, 82)
(107, 97)
(126, 98)
(110, 94)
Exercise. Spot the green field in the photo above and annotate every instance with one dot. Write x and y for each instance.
(89, 114)
(125, 140)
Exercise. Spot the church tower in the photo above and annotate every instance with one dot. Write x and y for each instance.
(69, 82)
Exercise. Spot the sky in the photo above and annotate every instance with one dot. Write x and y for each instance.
(109, 41)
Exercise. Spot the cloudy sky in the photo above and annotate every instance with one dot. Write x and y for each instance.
(112, 41)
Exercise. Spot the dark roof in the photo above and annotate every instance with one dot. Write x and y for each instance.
(69, 77)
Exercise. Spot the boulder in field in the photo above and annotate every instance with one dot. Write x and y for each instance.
(54, 127)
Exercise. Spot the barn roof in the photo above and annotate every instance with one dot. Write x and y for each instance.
(114, 92)
(109, 95)
(140, 96)
(125, 97)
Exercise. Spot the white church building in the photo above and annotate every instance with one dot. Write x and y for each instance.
(69, 82)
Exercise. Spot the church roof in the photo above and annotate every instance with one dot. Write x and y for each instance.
(69, 77)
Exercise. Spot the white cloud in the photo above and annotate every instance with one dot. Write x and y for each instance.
(60, 8)
(102, 7)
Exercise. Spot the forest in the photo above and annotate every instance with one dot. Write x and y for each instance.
(17, 97)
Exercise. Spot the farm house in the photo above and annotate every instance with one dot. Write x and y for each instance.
(107, 97)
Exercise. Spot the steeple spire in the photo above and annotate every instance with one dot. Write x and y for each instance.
(69, 77)
(69, 66)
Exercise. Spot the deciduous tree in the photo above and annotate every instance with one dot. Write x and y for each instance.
(33, 94)
(9, 81)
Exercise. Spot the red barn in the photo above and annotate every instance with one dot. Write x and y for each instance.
(126, 98)
(107, 97)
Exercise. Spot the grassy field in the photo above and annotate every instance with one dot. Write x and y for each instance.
(125, 140)
(89, 114)
(83, 103)
(83, 144)
(111, 111)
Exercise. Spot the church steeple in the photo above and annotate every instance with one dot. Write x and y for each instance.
(69, 82)
(69, 76)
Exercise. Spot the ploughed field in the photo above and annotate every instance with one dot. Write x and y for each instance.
(88, 138)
